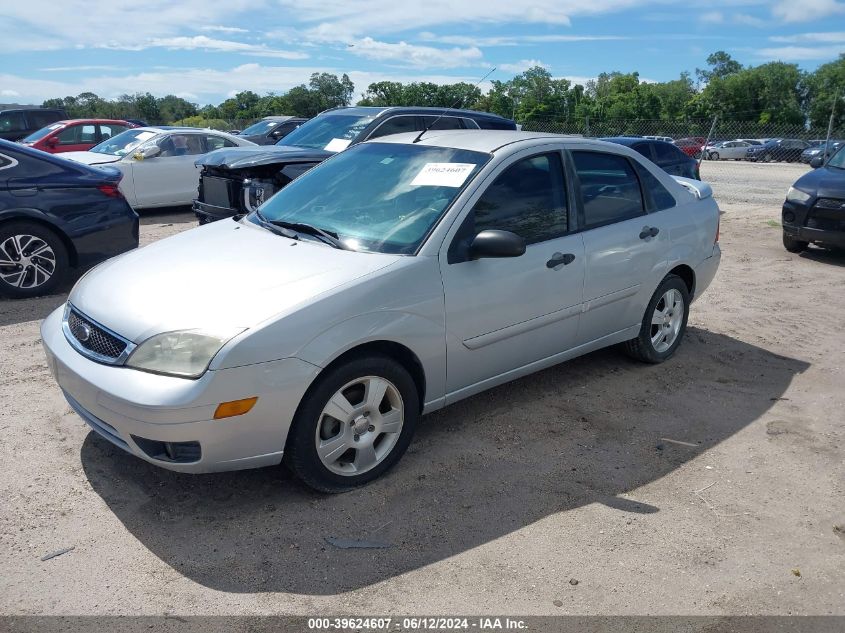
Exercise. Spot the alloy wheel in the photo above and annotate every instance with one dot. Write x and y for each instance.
(359, 425)
(26, 261)
(666, 320)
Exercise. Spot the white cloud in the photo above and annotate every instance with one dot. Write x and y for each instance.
(712, 17)
(413, 55)
(223, 29)
(73, 69)
(806, 10)
(205, 85)
(748, 20)
(514, 40)
(203, 42)
(798, 53)
(9, 93)
(521, 66)
(836, 37)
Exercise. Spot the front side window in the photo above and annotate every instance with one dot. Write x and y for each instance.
(77, 134)
(396, 125)
(124, 143)
(379, 197)
(181, 145)
(528, 199)
(609, 188)
(213, 142)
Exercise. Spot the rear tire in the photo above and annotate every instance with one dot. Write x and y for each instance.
(714, 155)
(792, 245)
(354, 423)
(664, 322)
(33, 260)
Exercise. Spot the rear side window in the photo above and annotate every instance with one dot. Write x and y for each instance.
(528, 199)
(665, 154)
(107, 130)
(12, 122)
(657, 197)
(609, 188)
(443, 123)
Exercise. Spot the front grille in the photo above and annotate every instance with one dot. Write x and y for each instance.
(216, 191)
(830, 203)
(93, 340)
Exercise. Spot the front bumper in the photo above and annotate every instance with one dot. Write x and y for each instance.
(801, 215)
(211, 213)
(136, 410)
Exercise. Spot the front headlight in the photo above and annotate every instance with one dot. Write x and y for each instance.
(796, 195)
(185, 353)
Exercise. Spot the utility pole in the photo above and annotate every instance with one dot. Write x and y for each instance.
(830, 129)
(707, 142)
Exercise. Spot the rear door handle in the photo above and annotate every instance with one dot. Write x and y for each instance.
(560, 259)
(649, 231)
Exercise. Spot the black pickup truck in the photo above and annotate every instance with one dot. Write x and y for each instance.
(236, 180)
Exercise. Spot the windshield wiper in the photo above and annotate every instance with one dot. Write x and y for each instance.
(329, 237)
(275, 228)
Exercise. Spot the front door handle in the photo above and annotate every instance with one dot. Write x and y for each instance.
(560, 259)
(649, 231)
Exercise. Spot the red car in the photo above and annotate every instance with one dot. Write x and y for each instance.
(691, 146)
(75, 135)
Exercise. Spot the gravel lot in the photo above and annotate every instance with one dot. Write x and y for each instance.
(710, 484)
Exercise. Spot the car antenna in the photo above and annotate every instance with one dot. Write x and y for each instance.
(452, 107)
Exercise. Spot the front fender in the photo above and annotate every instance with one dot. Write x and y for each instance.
(424, 337)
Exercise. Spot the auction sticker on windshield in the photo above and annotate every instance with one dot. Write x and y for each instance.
(337, 145)
(443, 174)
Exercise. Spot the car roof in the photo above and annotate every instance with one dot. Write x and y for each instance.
(630, 140)
(488, 141)
(69, 121)
(376, 111)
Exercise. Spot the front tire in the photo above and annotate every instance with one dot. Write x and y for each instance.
(33, 260)
(714, 155)
(792, 245)
(664, 322)
(354, 423)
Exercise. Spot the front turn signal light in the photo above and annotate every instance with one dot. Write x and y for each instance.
(235, 407)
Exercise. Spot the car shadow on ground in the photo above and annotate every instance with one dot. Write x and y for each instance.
(833, 257)
(476, 471)
(170, 215)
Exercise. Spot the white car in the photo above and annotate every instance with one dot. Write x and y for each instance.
(157, 162)
(398, 276)
(728, 150)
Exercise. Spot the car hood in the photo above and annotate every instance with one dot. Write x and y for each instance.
(825, 182)
(225, 275)
(241, 157)
(91, 158)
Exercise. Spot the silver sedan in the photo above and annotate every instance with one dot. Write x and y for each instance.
(394, 279)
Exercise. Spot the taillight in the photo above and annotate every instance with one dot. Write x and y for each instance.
(110, 190)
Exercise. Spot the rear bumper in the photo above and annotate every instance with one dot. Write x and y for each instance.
(142, 413)
(706, 271)
(117, 234)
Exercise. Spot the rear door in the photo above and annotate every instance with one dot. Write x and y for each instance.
(503, 314)
(625, 248)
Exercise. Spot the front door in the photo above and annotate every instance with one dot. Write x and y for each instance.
(170, 178)
(503, 314)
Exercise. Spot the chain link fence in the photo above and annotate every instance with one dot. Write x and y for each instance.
(718, 143)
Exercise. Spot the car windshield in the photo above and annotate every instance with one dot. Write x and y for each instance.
(262, 127)
(377, 197)
(44, 131)
(838, 159)
(333, 132)
(123, 143)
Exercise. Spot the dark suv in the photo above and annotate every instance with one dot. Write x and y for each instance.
(814, 209)
(670, 158)
(782, 149)
(16, 123)
(239, 179)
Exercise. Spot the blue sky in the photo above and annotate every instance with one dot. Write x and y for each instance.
(205, 50)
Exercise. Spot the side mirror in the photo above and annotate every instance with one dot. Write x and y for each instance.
(495, 243)
(52, 141)
(817, 161)
(148, 152)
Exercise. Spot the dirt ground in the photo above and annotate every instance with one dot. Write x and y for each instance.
(710, 484)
